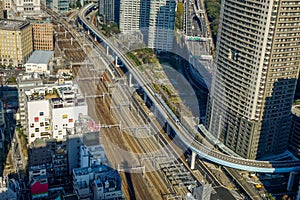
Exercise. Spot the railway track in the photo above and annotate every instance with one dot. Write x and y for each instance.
(112, 137)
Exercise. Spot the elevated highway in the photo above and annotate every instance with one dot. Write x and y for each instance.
(174, 124)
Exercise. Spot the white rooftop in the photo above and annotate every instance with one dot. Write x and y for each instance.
(40, 57)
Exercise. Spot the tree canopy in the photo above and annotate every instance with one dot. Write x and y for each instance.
(213, 14)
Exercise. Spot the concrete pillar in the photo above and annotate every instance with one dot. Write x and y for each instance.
(291, 181)
(88, 31)
(168, 128)
(107, 50)
(71, 41)
(145, 97)
(130, 79)
(193, 160)
(65, 34)
(95, 39)
(155, 112)
(116, 61)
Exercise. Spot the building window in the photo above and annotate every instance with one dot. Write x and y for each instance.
(37, 129)
(42, 124)
(31, 125)
(65, 116)
(70, 120)
(36, 119)
(41, 113)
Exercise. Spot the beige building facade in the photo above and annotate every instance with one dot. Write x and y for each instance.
(257, 66)
(43, 35)
(15, 42)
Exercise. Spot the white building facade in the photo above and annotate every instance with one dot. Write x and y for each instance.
(39, 62)
(28, 7)
(50, 111)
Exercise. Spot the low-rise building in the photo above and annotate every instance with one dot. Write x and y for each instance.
(97, 182)
(39, 187)
(39, 62)
(52, 155)
(38, 181)
(7, 191)
(107, 186)
(84, 142)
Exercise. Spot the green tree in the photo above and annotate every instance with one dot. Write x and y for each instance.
(213, 14)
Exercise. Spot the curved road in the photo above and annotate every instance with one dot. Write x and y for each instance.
(186, 137)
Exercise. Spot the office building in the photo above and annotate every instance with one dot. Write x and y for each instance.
(39, 62)
(295, 131)
(60, 6)
(257, 65)
(161, 24)
(43, 34)
(106, 9)
(15, 42)
(28, 7)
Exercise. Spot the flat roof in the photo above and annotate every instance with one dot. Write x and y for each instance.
(40, 57)
(7, 24)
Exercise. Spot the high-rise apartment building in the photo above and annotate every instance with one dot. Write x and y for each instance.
(161, 24)
(15, 42)
(129, 15)
(257, 65)
(106, 9)
(154, 18)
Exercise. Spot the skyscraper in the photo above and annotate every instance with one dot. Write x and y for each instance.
(257, 65)
(129, 15)
(107, 9)
(154, 18)
(161, 24)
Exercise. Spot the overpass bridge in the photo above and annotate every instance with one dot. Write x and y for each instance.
(173, 124)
